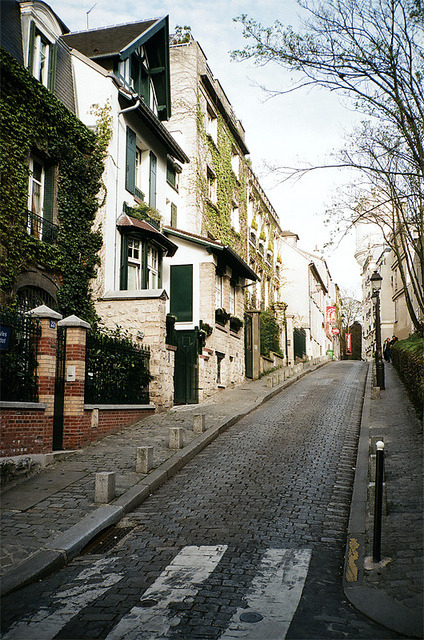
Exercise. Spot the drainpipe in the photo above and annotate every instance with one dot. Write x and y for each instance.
(133, 108)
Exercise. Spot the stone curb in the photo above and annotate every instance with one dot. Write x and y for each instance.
(373, 603)
(60, 550)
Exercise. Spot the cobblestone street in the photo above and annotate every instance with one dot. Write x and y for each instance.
(269, 497)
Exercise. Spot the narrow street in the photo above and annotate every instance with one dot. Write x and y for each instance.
(247, 541)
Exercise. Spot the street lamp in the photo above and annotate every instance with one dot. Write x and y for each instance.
(376, 280)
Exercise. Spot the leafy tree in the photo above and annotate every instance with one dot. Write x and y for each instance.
(270, 333)
(371, 53)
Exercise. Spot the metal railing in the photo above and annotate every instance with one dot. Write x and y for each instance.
(19, 334)
(117, 370)
(41, 228)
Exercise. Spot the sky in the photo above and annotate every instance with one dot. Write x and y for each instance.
(302, 128)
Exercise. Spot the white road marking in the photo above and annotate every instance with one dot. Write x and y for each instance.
(275, 594)
(179, 581)
(46, 624)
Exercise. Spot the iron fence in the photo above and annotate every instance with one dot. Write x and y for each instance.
(42, 229)
(117, 370)
(19, 336)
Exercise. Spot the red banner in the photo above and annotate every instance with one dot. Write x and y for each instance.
(349, 344)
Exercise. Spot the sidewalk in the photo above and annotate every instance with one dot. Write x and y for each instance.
(49, 518)
(390, 592)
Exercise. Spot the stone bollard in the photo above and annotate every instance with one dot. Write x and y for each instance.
(269, 382)
(375, 393)
(198, 422)
(144, 460)
(176, 438)
(104, 488)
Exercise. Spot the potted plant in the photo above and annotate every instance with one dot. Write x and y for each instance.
(235, 324)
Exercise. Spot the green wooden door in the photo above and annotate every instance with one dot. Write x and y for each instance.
(299, 341)
(186, 372)
(248, 346)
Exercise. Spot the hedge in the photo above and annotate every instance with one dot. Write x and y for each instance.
(408, 360)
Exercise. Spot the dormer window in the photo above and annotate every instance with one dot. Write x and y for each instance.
(41, 57)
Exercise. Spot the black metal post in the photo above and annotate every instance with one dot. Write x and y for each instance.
(378, 503)
(379, 364)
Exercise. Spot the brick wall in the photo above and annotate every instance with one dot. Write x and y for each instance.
(23, 431)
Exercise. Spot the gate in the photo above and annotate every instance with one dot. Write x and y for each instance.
(186, 372)
(299, 342)
(248, 346)
(59, 390)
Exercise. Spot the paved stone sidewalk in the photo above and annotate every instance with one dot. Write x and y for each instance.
(392, 591)
(38, 510)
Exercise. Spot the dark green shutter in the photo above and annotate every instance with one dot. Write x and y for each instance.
(144, 269)
(123, 274)
(31, 46)
(173, 215)
(52, 67)
(160, 259)
(181, 293)
(130, 162)
(48, 204)
(48, 200)
(152, 183)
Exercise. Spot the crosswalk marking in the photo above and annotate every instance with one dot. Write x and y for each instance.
(179, 581)
(274, 594)
(46, 624)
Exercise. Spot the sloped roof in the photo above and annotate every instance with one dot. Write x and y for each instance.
(109, 41)
(230, 257)
(129, 223)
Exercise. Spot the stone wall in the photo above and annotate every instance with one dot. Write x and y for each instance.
(222, 340)
(143, 315)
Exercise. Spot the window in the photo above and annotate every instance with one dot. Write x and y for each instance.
(235, 218)
(211, 124)
(141, 264)
(41, 57)
(173, 215)
(219, 359)
(134, 264)
(41, 193)
(138, 191)
(172, 175)
(232, 300)
(152, 180)
(212, 193)
(235, 162)
(181, 294)
(35, 187)
(218, 290)
(153, 267)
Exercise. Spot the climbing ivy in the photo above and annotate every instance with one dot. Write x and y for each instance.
(230, 189)
(33, 120)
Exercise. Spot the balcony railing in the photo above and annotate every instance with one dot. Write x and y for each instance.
(42, 229)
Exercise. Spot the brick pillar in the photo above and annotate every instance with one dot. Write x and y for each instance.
(46, 370)
(76, 426)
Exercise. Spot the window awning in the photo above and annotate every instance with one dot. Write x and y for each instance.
(128, 224)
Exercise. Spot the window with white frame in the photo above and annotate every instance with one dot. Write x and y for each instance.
(212, 191)
(232, 300)
(134, 264)
(235, 162)
(211, 124)
(153, 267)
(35, 187)
(235, 218)
(139, 172)
(218, 290)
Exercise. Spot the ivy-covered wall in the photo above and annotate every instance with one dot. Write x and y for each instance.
(33, 120)
(230, 189)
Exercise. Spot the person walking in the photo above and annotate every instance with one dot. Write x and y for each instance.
(387, 350)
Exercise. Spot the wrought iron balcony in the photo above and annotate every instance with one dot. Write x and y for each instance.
(42, 229)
